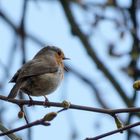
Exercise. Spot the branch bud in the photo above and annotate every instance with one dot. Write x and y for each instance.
(20, 114)
(118, 122)
(50, 116)
(66, 104)
(136, 85)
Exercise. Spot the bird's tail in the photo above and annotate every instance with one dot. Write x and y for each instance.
(13, 92)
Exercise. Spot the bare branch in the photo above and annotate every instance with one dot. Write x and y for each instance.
(11, 136)
(38, 122)
(114, 131)
(72, 106)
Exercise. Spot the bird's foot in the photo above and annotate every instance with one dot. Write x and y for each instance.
(31, 102)
(46, 102)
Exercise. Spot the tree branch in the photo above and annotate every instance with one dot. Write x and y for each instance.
(72, 106)
(11, 136)
(38, 122)
(114, 131)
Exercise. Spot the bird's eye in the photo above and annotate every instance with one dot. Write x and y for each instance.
(59, 53)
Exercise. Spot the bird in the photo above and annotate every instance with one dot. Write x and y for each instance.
(41, 75)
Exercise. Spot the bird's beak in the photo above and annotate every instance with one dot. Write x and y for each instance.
(65, 58)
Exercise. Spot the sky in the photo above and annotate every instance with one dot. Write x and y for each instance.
(48, 22)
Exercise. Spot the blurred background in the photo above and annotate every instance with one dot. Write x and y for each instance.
(101, 37)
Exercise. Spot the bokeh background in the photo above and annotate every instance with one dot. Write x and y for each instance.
(101, 37)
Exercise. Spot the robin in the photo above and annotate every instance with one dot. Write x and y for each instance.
(41, 75)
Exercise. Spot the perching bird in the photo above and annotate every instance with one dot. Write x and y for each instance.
(41, 75)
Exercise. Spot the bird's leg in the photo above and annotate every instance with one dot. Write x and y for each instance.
(31, 100)
(46, 100)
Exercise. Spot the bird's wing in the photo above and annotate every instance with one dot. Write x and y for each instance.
(14, 78)
(34, 68)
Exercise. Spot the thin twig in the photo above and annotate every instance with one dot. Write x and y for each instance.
(114, 131)
(11, 136)
(23, 30)
(7, 20)
(38, 122)
(44, 121)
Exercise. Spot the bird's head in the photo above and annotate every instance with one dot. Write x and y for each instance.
(51, 51)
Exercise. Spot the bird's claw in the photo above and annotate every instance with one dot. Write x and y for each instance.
(31, 103)
(45, 102)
